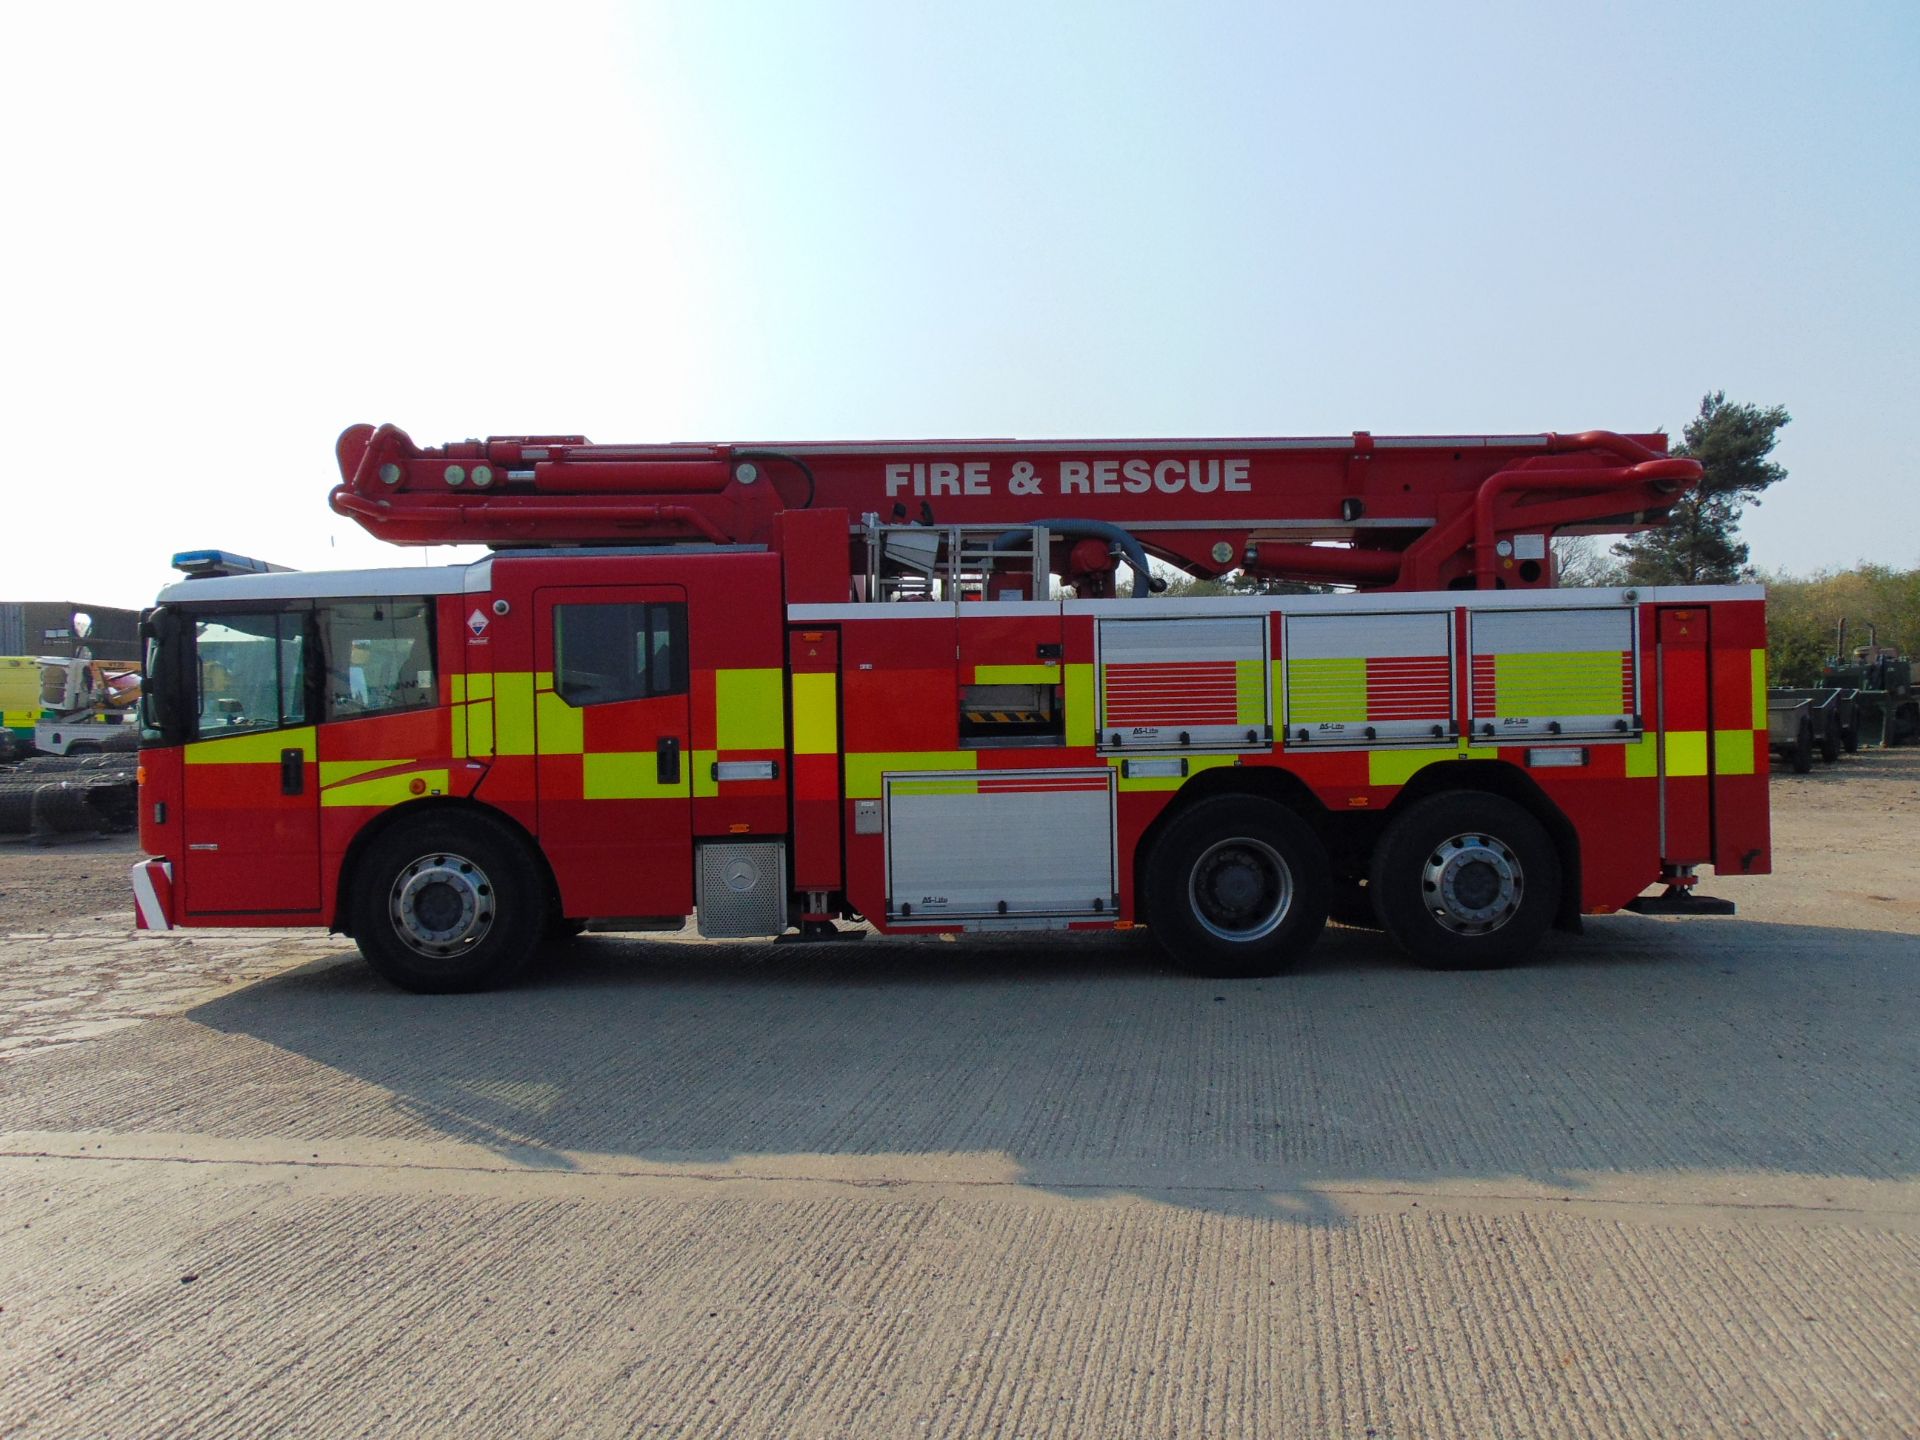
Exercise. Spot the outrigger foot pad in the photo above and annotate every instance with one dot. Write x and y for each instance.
(1676, 901)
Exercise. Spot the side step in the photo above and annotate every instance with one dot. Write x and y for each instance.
(1677, 901)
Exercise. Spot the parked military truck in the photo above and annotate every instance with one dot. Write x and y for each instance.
(1888, 710)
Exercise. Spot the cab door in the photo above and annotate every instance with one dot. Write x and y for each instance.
(250, 792)
(613, 742)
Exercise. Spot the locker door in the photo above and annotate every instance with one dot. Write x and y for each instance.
(1685, 719)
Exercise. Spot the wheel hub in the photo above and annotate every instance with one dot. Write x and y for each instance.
(1240, 889)
(1473, 884)
(441, 904)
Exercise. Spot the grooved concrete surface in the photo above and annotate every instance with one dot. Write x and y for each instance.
(1661, 1183)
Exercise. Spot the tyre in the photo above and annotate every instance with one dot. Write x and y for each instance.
(1830, 740)
(1236, 886)
(1801, 756)
(1850, 738)
(1465, 881)
(450, 903)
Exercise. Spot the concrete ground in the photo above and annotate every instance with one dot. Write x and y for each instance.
(1661, 1183)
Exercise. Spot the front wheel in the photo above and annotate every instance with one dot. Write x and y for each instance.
(1465, 881)
(1237, 886)
(449, 903)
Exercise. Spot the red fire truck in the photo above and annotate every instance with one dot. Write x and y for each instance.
(781, 687)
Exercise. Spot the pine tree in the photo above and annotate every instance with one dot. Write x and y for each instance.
(1700, 544)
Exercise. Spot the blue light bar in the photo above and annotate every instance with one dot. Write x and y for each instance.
(200, 564)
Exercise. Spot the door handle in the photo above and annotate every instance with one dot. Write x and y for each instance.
(293, 772)
(666, 760)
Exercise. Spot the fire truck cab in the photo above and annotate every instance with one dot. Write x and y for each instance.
(668, 694)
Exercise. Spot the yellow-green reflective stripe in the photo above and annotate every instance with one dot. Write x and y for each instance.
(513, 713)
(387, 790)
(1643, 757)
(1016, 674)
(1326, 690)
(480, 687)
(261, 748)
(936, 787)
(1759, 689)
(480, 728)
(1686, 753)
(1569, 682)
(705, 787)
(1250, 692)
(333, 772)
(1079, 702)
(562, 731)
(1396, 767)
(864, 771)
(629, 775)
(749, 710)
(1733, 752)
(815, 722)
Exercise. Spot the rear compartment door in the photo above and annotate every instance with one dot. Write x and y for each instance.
(1685, 720)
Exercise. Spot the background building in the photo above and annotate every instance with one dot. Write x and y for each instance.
(53, 627)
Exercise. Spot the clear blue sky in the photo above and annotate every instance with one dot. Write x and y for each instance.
(236, 230)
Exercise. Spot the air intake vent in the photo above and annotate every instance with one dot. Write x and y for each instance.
(742, 890)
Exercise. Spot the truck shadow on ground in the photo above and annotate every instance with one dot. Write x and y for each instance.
(1643, 1046)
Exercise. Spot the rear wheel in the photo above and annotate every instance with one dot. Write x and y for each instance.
(1466, 880)
(1830, 740)
(1237, 886)
(448, 904)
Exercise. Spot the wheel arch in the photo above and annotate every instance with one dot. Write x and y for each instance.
(413, 812)
(1260, 781)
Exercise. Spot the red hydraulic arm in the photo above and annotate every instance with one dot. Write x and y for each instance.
(1375, 512)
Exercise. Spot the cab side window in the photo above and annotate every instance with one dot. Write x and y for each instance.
(603, 653)
(379, 657)
(252, 672)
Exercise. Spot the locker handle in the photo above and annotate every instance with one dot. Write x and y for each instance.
(293, 772)
(666, 760)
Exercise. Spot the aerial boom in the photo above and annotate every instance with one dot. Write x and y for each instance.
(1373, 512)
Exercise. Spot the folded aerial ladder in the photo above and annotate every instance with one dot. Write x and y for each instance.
(1365, 511)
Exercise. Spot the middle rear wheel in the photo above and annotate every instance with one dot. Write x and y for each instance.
(1465, 881)
(1237, 886)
